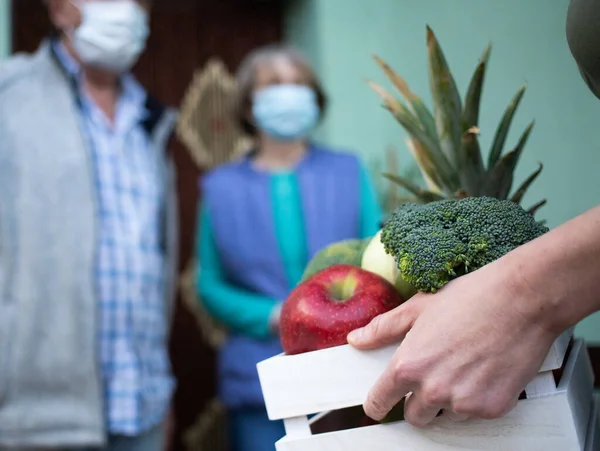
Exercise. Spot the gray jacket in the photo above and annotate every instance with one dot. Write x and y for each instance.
(50, 392)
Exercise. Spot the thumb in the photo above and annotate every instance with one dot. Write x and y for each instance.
(388, 327)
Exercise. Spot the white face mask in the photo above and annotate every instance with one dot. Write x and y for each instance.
(112, 35)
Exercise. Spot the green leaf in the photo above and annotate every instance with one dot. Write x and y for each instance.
(533, 210)
(470, 163)
(501, 178)
(470, 115)
(503, 128)
(447, 177)
(518, 196)
(394, 105)
(419, 192)
(416, 104)
(446, 99)
(448, 180)
(426, 167)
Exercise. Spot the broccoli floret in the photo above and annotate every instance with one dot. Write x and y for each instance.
(439, 241)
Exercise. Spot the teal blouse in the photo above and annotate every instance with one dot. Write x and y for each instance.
(250, 313)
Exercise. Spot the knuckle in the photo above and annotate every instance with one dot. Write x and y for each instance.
(414, 420)
(418, 412)
(453, 416)
(378, 325)
(479, 409)
(375, 408)
(411, 308)
(492, 412)
(499, 408)
(435, 393)
(405, 372)
(388, 321)
(465, 407)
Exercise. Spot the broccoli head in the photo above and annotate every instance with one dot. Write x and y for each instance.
(439, 241)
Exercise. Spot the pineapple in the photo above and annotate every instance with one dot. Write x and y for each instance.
(445, 144)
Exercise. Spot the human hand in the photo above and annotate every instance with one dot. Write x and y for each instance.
(469, 350)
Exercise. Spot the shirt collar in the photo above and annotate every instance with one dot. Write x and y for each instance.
(132, 91)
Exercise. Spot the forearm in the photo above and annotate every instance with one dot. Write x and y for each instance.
(238, 309)
(556, 278)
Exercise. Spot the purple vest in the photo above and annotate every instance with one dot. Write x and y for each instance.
(239, 203)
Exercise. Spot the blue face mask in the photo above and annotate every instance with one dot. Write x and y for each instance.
(286, 112)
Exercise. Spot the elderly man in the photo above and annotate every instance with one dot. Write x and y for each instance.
(87, 238)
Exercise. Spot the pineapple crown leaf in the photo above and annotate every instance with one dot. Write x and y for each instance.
(504, 127)
(416, 105)
(430, 146)
(391, 103)
(446, 98)
(398, 82)
(485, 56)
(501, 177)
(533, 209)
(470, 114)
(413, 188)
(444, 140)
(425, 164)
(521, 190)
(471, 165)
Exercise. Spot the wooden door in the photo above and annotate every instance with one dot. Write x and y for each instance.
(185, 34)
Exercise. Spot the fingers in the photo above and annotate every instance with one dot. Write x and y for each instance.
(389, 389)
(426, 397)
(386, 328)
(453, 416)
(422, 407)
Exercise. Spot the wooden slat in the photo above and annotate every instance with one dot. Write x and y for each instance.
(593, 434)
(337, 378)
(556, 355)
(549, 423)
(315, 382)
(297, 427)
(543, 384)
(535, 425)
(578, 381)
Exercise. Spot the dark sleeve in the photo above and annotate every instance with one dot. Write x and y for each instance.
(583, 37)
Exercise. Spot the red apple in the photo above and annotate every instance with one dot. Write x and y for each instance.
(320, 312)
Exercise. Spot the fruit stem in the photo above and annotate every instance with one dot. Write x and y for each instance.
(343, 289)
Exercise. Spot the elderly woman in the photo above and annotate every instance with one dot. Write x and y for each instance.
(263, 217)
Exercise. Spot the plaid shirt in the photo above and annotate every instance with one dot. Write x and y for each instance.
(132, 328)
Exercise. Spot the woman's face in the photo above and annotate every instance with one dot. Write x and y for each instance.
(285, 106)
(278, 71)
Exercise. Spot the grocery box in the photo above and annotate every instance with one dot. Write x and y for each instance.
(593, 431)
(556, 413)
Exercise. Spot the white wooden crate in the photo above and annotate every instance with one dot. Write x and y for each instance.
(593, 433)
(552, 417)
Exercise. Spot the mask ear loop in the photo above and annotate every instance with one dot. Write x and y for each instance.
(69, 32)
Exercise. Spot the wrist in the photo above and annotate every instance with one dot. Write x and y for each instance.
(535, 298)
